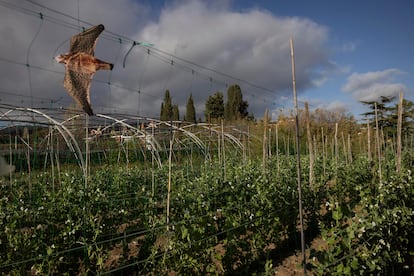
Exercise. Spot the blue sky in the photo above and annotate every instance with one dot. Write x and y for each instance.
(364, 36)
(346, 51)
(379, 35)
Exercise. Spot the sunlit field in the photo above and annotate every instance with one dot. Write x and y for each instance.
(118, 194)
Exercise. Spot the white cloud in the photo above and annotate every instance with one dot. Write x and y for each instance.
(375, 91)
(371, 86)
(252, 45)
(336, 106)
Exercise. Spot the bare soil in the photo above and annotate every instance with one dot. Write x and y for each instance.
(292, 265)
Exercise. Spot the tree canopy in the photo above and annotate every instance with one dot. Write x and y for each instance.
(215, 106)
(175, 113)
(235, 108)
(190, 114)
(387, 114)
(166, 107)
(383, 110)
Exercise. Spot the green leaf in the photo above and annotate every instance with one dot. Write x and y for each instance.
(49, 251)
(351, 235)
(340, 268)
(184, 232)
(337, 214)
(347, 270)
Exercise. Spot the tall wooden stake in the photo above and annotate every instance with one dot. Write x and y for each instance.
(344, 147)
(310, 145)
(295, 100)
(11, 162)
(52, 163)
(399, 130)
(58, 160)
(152, 162)
(369, 141)
(336, 151)
(377, 139)
(26, 139)
(223, 149)
(349, 149)
(86, 170)
(264, 144)
(277, 148)
(169, 183)
(323, 152)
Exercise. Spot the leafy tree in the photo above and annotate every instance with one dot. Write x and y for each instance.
(190, 114)
(166, 107)
(215, 106)
(236, 108)
(384, 111)
(326, 119)
(388, 115)
(407, 115)
(175, 113)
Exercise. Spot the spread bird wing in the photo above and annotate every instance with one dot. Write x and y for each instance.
(78, 85)
(86, 41)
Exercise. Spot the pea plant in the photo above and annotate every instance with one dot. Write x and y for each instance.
(228, 219)
(367, 229)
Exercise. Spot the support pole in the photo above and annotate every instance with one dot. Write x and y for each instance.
(399, 132)
(295, 100)
(378, 142)
(310, 145)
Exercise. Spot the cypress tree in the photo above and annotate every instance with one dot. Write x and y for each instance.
(166, 107)
(175, 113)
(236, 108)
(162, 111)
(190, 114)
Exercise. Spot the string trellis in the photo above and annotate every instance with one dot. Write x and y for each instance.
(195, 70)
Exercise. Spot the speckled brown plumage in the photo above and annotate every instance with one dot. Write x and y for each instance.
(81, 65)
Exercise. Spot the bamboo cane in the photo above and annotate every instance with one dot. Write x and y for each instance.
(369, 141)
(377, 140)
(302, 233)
(399, 130)
(310, 145)
(264, 143)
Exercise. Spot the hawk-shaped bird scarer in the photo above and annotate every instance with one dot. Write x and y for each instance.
(81, 65)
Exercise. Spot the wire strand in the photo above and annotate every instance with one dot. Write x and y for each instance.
(170, 56)
(27, 59)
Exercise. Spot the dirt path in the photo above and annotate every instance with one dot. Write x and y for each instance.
(292, 265)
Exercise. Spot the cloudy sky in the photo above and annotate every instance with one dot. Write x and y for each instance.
(346, 51)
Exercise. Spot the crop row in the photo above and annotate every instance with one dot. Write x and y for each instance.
(219, 219)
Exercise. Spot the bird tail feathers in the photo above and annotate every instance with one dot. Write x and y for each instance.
(105, 65)
(87, 108)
